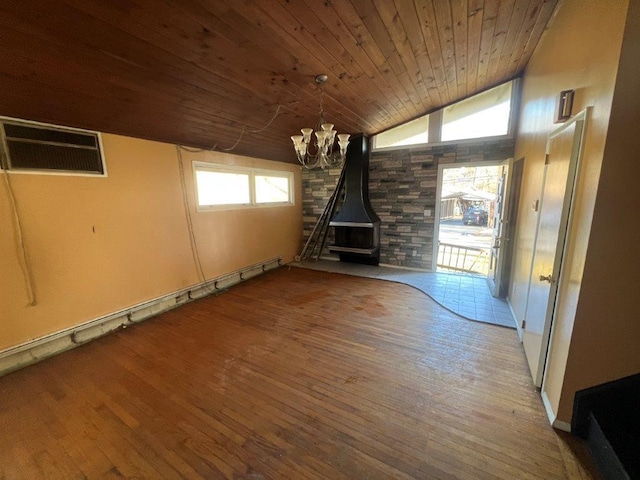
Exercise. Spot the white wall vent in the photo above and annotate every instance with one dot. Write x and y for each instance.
(30, 146)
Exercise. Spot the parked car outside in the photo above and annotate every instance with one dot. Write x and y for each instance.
(475, 216)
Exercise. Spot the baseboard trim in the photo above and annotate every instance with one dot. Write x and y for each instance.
(515, 319)
(560, 425)
(33, 351)
(553, 420)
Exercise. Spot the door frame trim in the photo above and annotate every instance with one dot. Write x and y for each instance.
(436, 211)
(504, 215)
(566, 224)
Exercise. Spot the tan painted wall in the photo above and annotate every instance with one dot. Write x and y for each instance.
(99, 245)
(580, 51)
(605, 344)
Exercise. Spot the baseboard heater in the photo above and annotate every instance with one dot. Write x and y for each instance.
(33, 351)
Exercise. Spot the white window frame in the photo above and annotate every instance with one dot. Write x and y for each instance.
(252, 172)
(435, 126)
(272, 173)
(4, 150)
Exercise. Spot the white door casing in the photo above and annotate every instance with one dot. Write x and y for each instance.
(563, 153)
(498, 236)
(436, 224)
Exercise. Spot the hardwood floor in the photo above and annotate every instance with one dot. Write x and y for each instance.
(296, 374)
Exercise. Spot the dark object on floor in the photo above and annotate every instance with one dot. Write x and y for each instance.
(608, 417)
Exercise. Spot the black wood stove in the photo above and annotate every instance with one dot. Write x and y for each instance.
(357, 227)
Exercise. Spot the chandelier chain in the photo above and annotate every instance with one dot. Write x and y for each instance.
(321, 103)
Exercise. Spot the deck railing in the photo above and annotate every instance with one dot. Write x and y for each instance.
(463, 259)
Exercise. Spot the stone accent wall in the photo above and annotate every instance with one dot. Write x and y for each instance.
(402, 189)
(317, 187)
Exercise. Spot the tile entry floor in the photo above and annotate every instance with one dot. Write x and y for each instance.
(462, 294)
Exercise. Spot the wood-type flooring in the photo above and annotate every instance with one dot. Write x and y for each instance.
(296, 374)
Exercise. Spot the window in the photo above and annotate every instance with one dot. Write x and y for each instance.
(485, 115)
(272, 188)
(410, 133)
(223, 187)
(30, 146)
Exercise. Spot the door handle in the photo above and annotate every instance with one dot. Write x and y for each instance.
(547, 278)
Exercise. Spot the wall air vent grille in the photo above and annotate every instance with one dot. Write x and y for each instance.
(35, 147)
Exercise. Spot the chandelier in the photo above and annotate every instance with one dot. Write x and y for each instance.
(321, 152)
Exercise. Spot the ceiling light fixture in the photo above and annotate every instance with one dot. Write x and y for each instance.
(322, 153)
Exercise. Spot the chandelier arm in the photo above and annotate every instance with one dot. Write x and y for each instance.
(319, 152)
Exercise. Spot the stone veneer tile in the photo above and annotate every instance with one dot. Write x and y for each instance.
(402, 190)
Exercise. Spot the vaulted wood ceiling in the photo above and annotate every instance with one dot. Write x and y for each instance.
(199, 72)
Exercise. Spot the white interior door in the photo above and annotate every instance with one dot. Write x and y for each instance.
(562, 154)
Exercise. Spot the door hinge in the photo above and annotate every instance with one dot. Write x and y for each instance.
(524, 324)
(546, 159)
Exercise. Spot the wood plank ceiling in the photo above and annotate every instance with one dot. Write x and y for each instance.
(199, 72)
